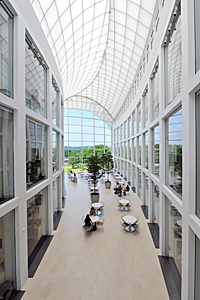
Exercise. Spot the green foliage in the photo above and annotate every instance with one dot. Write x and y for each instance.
(93, 167)
(106, 161)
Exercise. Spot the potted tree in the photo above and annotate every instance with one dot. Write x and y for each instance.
(93, 167)
(106, 161)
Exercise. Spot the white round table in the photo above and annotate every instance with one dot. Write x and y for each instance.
(97, 206)
(179, 222)
(129, 220)
(123, 202)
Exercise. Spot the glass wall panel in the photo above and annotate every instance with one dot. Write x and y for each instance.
(146, 110)
(115, 135)
(7, 256)
(118, 133)
(156, 204)
(174, 152)
(139, 117)
(85, 130)
(125, 130)
(197, 269)
(197, 34)
(125, 144)
(35, 83)
(54, 95)
(173, 55)
(6, 49)
(55, 150)
(122, 132)
(155, 95)
(122, 150)
(134, 179)
(129, 127)
(122, 166)
(55, 198)
(36, 219)
(156, 151)
(197, 129)
(146, 196)
(119, 150)
(36, 155)
(146, 149)
(174, 234)
(129, 150)
(6, 154)
(115, 150)
(139, 183)
(129, 170)
(134, 150)
(134, 123)
(139, 150)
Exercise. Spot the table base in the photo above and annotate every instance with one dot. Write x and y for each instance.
(129, 228)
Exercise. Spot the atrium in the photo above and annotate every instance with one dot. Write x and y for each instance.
(87, 77)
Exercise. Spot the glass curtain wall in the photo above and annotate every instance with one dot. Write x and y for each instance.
(156, 151)
(129, 170)
(174, 236)
(134, 123)
(129, 127)
(7, 256)
(134, 149)
(6, 49)
(129, 151)
(125, 144)
(139, 116)
(6, 154)
(139, 150)
(173, 58)
(134, 179)
(155, 94)
(139, 183)
(125, 130)
(36, 166)
(55, 197)
(146, 109)
(85, 134)
(35, 80)
(122, 132)
(156, 204)
(146, 149)
(55, 149)
(36, 219)
(122, 150)
(54, 99)
(174, 152)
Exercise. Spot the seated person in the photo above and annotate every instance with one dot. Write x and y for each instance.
(119, 190)
(127, 189)
(116, 187)
(92, 212)
(87, 221)
(74, 174)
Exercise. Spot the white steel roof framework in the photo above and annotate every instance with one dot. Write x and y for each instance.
(97, 45)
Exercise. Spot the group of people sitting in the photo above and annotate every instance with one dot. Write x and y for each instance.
(119, 190)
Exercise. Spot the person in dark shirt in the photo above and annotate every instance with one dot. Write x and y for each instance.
(127, 189)
(87, 220)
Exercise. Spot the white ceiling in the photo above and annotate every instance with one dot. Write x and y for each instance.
(97, 45)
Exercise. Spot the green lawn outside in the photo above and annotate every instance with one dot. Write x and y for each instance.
(75, 169)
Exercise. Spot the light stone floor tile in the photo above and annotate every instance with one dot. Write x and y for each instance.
(107, 264)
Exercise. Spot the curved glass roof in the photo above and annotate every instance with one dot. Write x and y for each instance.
(97, 45)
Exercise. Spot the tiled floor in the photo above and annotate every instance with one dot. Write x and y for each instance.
(108, 264)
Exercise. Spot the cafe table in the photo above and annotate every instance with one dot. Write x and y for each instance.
(97, 206)
(129, 220)
(124, 202)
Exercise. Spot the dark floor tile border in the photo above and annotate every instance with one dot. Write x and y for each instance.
(63, 202)
(17, 295)
(56, 220)
(35, 251)
(133, 189)
(154, 234)
(35, 264)
(145, 210)
(173, 292)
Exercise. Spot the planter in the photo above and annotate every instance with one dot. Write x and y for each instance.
(94, 197)
(107, 184)
(75, 179)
